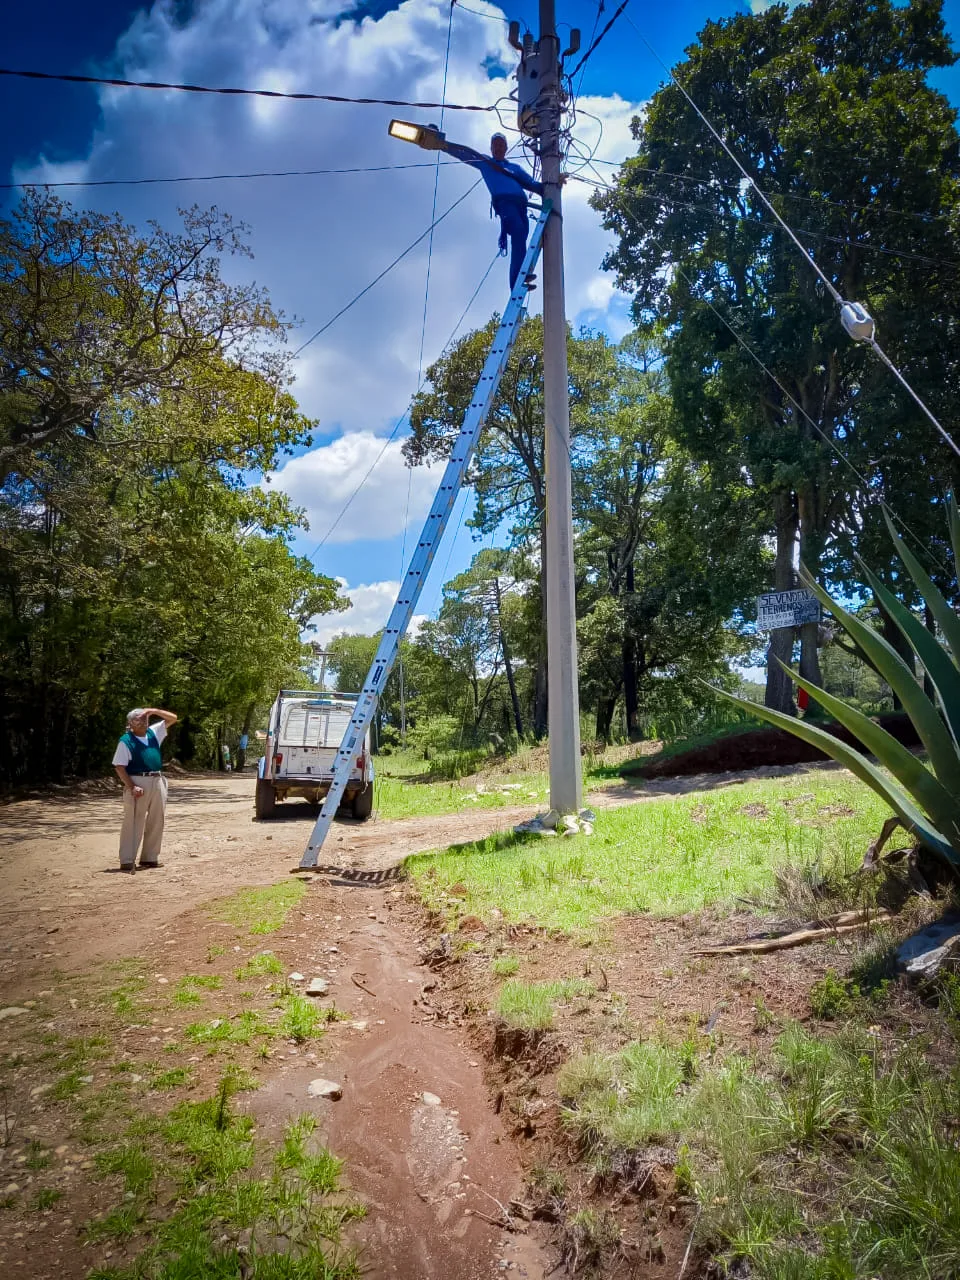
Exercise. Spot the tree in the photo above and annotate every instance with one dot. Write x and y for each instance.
(829, 106)
(507, 472)
(136, 566)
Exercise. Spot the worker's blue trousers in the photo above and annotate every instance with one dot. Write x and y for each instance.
(512, 212)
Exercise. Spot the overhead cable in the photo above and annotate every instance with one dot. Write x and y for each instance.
(594, 43)
(232, 92)
(219, 177)
(762, 222)
(376, 280)
(402, 419)
(843, 304)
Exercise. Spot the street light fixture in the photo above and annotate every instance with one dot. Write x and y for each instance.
(428, 136)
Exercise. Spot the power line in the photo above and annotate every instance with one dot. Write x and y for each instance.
(782, 195)
(219, 177)
(403, 417)
(233, 92)
(773, 377)
(824, 278)
(376, 280)
(595, 42)
(765, 222)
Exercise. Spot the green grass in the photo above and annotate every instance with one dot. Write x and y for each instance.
(219, 1032)
(261, 910)
(46, 1198)
(404, 794)
(302, 1019)
(175, 1078)
(263, 965)
(226, 1223)
(662, 856)
(532, 1004)
(505, 966)
(830, 1159)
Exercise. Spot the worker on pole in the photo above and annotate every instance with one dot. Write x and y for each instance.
(508, 184)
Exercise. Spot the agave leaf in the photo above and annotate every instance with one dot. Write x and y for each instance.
(897, 799)
(931, 653)
(925, 716)
(953, 519)
(934, 798)
(947, 620)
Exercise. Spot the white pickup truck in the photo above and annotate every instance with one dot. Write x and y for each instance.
(304, 731)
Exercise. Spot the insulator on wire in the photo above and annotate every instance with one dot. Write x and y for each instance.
(857, 321)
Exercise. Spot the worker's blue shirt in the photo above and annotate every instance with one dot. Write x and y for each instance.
(514, 182)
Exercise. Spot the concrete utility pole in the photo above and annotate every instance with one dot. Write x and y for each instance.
(566, 787)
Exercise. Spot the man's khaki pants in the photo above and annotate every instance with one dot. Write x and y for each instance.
(143, 820)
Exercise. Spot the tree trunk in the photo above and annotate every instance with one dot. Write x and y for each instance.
(629, 656)
(540, 675)
(811, 549)
(508, 665)
(779, 691)
(605, 710)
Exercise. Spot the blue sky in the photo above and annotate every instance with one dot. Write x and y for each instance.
(318, 240)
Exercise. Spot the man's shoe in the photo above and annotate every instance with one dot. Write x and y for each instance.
(129, 868)
(147, 866)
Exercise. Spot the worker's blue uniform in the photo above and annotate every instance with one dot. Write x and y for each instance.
(507, 184)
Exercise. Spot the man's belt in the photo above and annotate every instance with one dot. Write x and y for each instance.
(149, 773)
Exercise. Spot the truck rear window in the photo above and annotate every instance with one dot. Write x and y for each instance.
(306, 726)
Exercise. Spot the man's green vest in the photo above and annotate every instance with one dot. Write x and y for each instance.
(144, 757)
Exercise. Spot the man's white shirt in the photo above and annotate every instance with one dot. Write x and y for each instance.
(122, 756)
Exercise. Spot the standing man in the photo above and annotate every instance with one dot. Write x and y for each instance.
(508, 184)
(139, 767)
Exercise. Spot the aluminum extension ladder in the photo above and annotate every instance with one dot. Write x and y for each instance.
(428, 545)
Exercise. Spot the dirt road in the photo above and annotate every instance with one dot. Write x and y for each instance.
(63, 904)
(431, 1169)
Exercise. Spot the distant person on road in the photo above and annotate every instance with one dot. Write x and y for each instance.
(508, 184)
(139, 767)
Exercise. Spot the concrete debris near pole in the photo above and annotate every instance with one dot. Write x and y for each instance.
(553, 823)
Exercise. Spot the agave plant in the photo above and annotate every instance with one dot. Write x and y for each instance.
(926, 801)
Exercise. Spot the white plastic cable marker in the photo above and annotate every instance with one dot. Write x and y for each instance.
(426, 549)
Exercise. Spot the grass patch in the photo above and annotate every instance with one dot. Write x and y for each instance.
(830, 1159)
(174, 1078)
(663, 856)
(261, 910)
(532, 1004)
(46, 1198)
(228, 1224)
(301, 1020)
(263, 965)
(505, 966)
(239, 1029)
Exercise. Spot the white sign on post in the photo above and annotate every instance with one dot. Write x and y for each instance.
(786, 609)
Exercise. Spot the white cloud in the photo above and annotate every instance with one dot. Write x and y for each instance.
(319, 240)
(323, 480)
(369, 609)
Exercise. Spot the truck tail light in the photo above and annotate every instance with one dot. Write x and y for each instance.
(362, 761)
(278, 760)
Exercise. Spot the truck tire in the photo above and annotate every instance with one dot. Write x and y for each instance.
(363, 803)
(265, 802)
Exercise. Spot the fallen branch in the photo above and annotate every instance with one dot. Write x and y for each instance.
(874, 850)
(843, 922)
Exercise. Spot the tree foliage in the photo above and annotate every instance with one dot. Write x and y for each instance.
(136, 566)
(828, 105)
